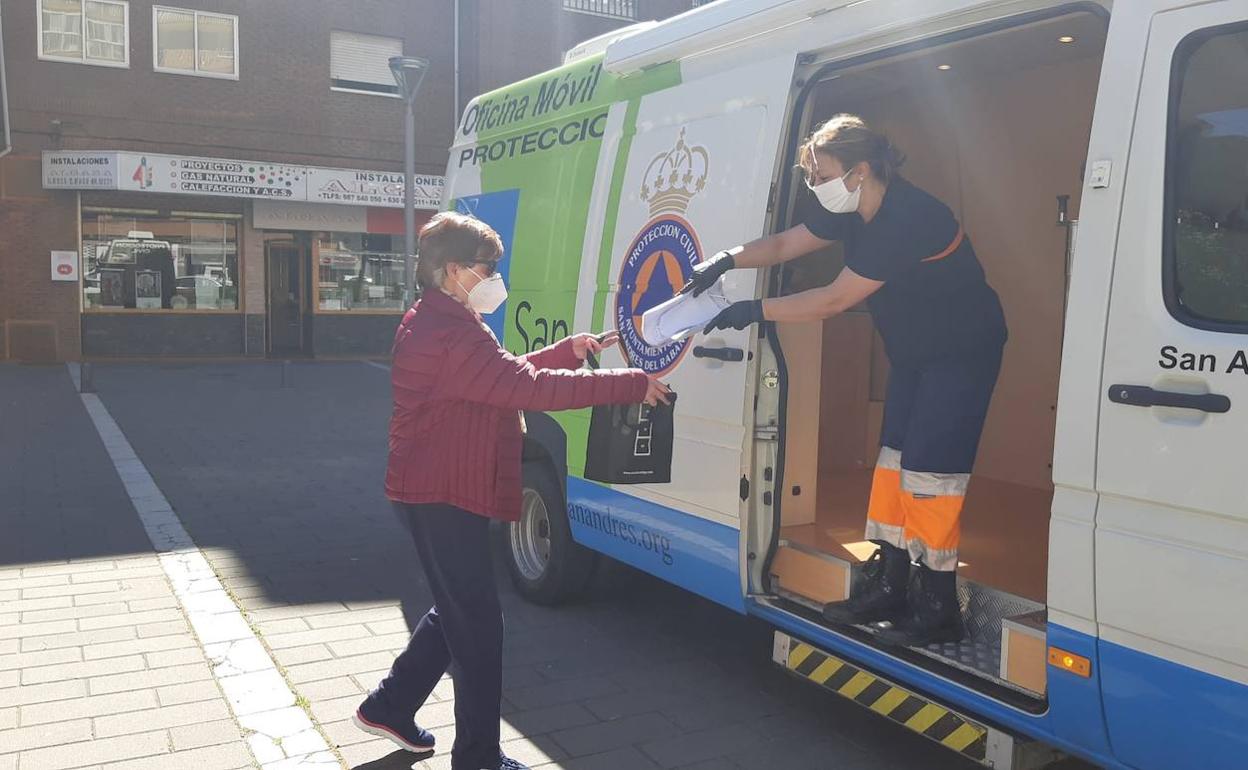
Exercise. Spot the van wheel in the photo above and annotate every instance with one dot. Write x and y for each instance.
(546, 565)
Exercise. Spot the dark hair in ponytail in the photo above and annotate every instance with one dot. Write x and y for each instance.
(851, 141)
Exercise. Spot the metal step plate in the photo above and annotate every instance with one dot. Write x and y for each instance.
(983, 609)
(979, 652)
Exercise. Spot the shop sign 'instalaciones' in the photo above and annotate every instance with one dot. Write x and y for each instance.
(185, 175)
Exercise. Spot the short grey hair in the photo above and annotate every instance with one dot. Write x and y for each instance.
(451, 237)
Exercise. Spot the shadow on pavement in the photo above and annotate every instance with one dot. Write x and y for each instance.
(60, 497)
(396, 760)
(282, 486)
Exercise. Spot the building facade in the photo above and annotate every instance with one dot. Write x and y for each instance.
(223, 178)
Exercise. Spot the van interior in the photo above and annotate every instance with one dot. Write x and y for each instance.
(996, 125)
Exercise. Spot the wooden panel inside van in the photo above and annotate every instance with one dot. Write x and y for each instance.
(972, 140)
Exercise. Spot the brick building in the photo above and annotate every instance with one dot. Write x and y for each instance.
(223, 178)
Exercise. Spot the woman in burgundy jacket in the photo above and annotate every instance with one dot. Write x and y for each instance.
(455, 450)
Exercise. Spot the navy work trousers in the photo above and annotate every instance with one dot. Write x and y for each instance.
(463, 631)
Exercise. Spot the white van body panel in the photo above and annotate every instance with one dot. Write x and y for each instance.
(716, 34)
(599, 200)
(1071, 588)
(1071, 599)
(1172, 529)
(730, 114)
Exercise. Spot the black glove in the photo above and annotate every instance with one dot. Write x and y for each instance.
(705, 274)
(738, 315)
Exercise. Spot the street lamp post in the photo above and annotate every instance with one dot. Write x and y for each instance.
(408, 72)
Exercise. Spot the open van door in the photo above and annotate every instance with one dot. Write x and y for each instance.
(690, 169)
(1172, 525)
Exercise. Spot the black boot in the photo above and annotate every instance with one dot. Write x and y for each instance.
(933, 615)
(880, 591)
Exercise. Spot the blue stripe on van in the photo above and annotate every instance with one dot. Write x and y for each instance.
(1075, 713)
(698, 555)
(1164, 715)
(498, 210)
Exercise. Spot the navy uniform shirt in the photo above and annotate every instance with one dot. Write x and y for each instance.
(926, 310)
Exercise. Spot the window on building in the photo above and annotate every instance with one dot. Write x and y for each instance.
(181, 262)
(1207, 274)
(361, 63)
(195, 42)
(611, 9)
(85, 31)
(358, 271)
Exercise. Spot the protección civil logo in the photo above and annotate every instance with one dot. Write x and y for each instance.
(661, 258)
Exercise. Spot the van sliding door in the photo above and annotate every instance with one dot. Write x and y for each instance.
(1172, 525)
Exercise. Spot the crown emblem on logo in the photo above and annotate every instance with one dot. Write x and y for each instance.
(674, 177)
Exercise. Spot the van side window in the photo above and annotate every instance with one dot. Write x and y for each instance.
(1207, 179)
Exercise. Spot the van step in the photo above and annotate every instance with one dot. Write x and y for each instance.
(1024, 650)
(815, 577)
(972, 739)
(812, 579)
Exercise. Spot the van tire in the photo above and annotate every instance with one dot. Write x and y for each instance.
(547, 566)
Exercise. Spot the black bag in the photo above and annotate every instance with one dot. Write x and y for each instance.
(630, 444)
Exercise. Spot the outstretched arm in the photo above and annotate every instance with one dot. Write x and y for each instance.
(845, 292)
(478, 370)
(764, 252)
(848, 290)
(781, 247)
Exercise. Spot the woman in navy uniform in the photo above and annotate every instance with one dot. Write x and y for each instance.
(943, 330)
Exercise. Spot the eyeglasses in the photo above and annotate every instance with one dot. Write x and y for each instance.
(490, 268)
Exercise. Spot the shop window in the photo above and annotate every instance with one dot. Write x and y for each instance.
(195, 43)
(85, 31)
(1207, 243)
(358, 271)
(361, 63)
(182, 262)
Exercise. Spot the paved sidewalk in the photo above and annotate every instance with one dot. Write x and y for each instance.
(98, 666)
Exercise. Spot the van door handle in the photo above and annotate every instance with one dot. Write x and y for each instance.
(1142, 395)
(722, 354)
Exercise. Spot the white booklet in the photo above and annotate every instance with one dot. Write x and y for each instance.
(682, 316)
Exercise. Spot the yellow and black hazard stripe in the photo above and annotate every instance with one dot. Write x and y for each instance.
(902, 706)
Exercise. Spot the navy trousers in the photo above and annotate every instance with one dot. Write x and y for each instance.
(934, 414)
(463, 631)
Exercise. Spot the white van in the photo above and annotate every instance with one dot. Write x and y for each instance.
(1098, 158)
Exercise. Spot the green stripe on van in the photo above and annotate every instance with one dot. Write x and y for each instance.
(555, 188)
(613, 209)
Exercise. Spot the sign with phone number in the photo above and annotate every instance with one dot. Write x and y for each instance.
(185, 175)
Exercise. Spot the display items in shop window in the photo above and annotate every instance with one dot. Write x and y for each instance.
(172, 263)
(112, 286)
(147, 294)
(139, 254)
(358, 271)
(200, 291)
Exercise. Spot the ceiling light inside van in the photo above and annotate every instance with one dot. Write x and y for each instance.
(1066, 39)
(944, 67)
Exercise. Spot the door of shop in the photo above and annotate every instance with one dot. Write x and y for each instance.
(285, 262)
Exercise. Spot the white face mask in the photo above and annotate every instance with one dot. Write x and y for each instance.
(487, 295)
(834, 196)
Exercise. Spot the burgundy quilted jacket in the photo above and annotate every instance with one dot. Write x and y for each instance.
(455, 435)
